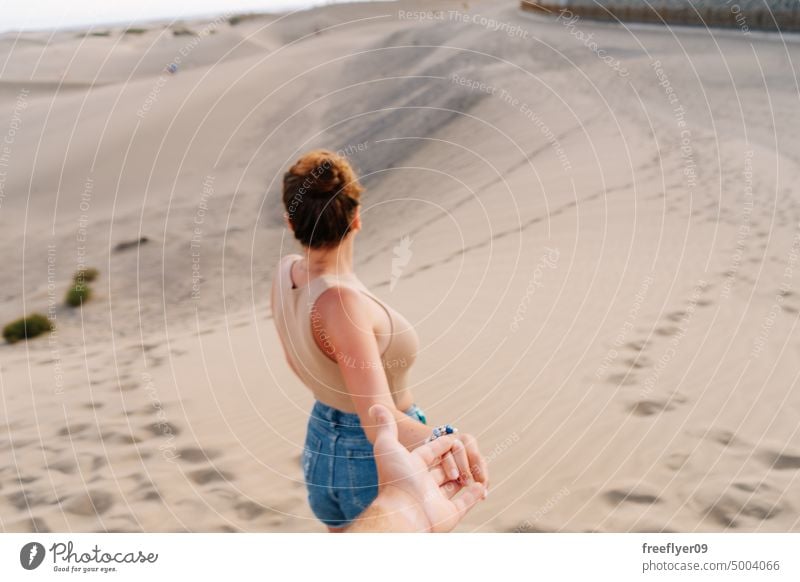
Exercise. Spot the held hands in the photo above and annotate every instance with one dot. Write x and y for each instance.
(430, 488)
(464, 463)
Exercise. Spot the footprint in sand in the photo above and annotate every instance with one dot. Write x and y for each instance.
(667, 331)
(155, 362)
(144, 489)
(676, 316)
(196, 455)
(24, 500)
(781, 461)
(73, 429)
(676, 461)
(637, 346)
(653, 406)
(248, 510)
(748, 502)
(162, 429)
(88, 503)
(637, 495)
(721, 436)
(203, 476)
(638, 362)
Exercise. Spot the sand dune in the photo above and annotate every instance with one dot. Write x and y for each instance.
(604, 270)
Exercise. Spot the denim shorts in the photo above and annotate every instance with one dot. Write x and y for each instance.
(338, 464)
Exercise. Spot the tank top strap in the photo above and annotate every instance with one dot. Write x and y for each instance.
(284, 271)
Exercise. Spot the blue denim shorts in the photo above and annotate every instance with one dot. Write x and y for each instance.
(338, 464)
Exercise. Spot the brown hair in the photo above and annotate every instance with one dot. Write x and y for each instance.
(321, 193)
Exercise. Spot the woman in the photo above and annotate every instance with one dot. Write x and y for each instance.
(346, 345)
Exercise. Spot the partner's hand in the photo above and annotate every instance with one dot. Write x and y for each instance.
(413, 486)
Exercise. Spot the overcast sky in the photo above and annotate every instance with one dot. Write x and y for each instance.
(47, 14)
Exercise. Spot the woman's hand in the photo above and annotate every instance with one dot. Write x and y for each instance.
(470, 461)
(465, 463)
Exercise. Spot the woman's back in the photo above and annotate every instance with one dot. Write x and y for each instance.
(315, 362)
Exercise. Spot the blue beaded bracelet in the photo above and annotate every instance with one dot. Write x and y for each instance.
(441, 431)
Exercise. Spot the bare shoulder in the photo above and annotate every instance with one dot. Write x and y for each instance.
(340, 304)
(336, 298)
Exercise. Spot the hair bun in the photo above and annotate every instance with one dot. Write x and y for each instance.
(322, 175)
(326, 179)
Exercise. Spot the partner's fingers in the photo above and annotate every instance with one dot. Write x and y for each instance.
(450, 489)
(471, 495)
(432, 452)
(385, 424)
(460, 455)
(438, 476)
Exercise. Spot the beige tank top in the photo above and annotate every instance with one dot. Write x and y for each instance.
(292, 312)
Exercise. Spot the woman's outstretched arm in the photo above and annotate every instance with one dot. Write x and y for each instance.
(350, 338)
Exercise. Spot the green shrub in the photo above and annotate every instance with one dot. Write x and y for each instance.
(239, 18)
(183, 31)
(77, 295)
(26, 327)
(85, 275)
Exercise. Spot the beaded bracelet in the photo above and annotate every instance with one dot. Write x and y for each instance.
(441, 431)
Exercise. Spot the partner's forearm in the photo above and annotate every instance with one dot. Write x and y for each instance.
(374, 519)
